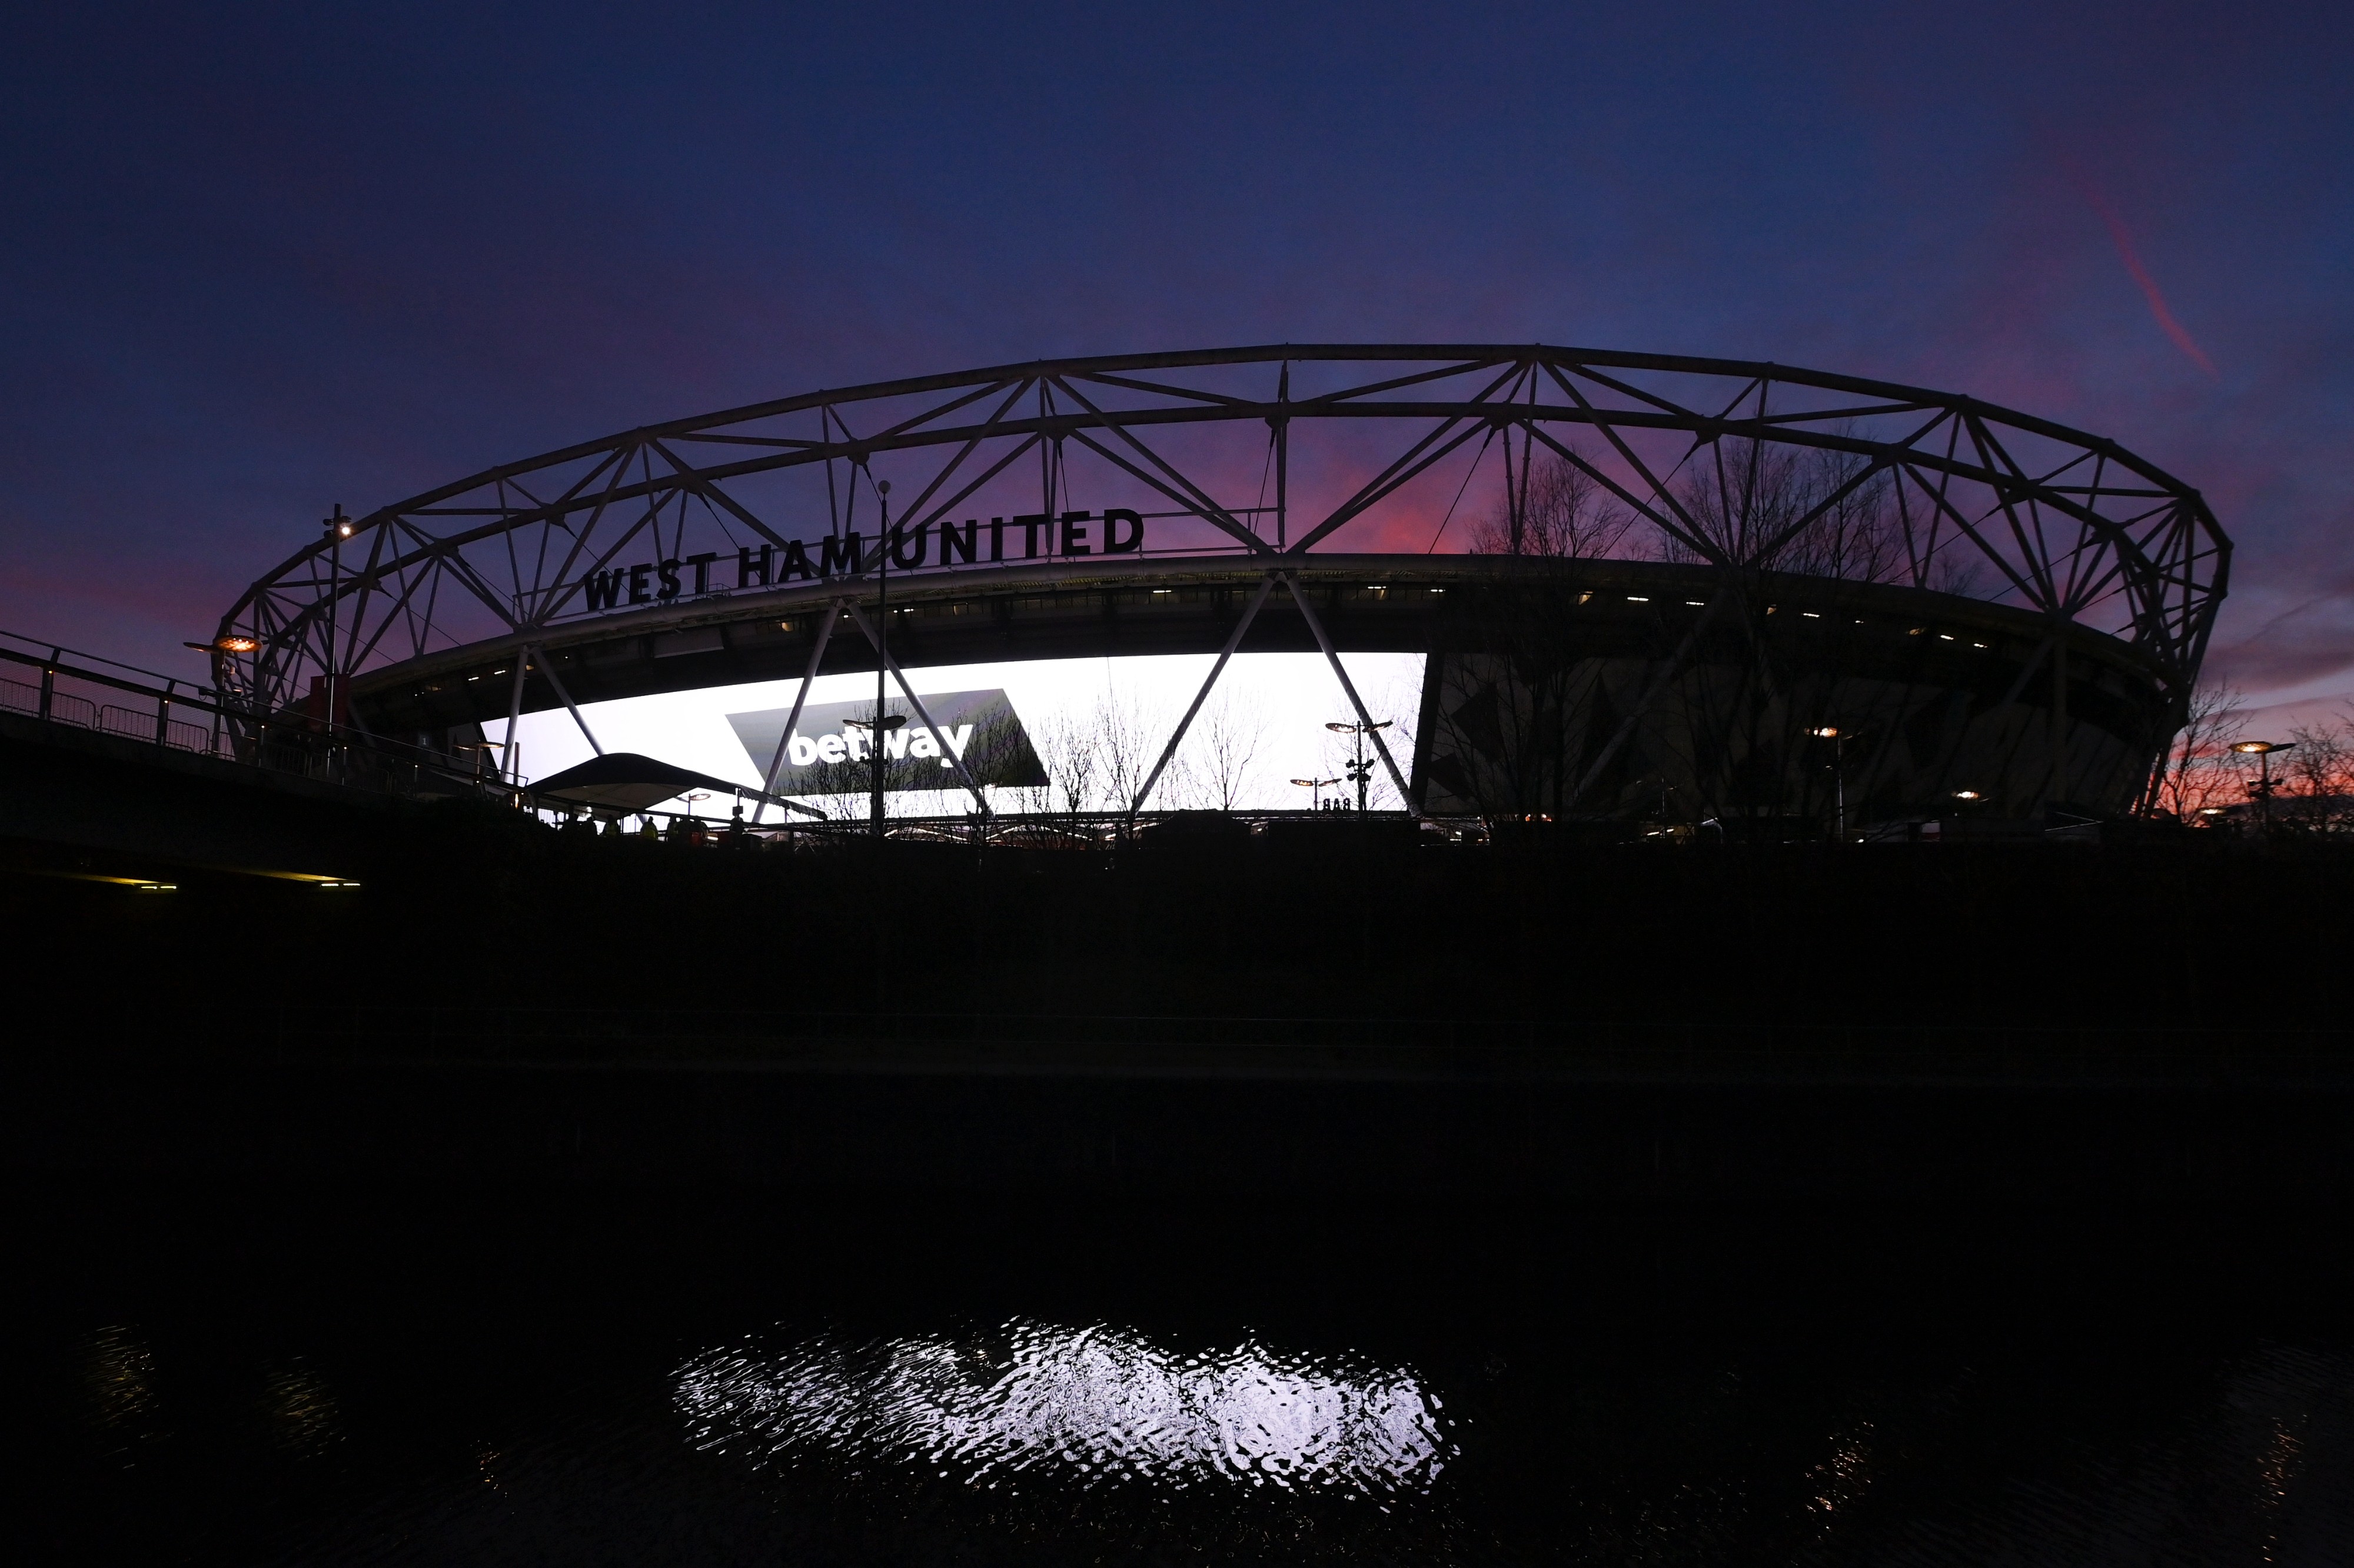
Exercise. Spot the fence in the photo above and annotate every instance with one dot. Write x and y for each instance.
(87, 690)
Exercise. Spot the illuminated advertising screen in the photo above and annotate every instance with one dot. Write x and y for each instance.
(1036, 735)
(965, 734)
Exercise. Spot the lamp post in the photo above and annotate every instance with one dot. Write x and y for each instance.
(338, 529)
(1359, 770)
(1838, 740)
(478, 747)
(225, 649)
(875, 729)
(1319, 785)
(882, 646)
(2262, 750)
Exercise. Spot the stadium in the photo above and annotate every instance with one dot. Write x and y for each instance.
(1490, 582)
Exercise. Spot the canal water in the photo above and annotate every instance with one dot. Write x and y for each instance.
(292, 1373)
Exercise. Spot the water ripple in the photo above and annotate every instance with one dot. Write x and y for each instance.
(1082, 1405)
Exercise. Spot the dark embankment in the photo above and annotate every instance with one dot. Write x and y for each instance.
(1342, 1008)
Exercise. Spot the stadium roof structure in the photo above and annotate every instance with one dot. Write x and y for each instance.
(1221, 479)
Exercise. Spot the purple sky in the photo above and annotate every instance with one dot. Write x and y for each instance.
(312, 254)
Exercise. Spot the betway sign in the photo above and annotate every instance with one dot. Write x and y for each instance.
(1068, 535)
(826, 754)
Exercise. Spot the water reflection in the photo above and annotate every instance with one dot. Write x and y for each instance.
(303, 1410)
(1083, 1405)
(119, 1371)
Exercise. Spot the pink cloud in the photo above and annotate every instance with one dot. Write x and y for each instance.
(2123, 238)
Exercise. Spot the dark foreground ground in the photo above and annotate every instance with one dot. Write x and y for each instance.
(465, 907)
(549, 1200)
(1343, 1012)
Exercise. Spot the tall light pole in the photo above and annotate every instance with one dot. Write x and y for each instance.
(1360, 770)
(875, 731)
(339, 528)
(1839, 740)
(2262, 750)
(1320, 786)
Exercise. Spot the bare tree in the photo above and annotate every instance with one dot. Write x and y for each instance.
(1563, 513)
(2199, 771)
(2320, 776)
(1808, 511)
(1069, 751)
(1230, 732)
(1124, 747)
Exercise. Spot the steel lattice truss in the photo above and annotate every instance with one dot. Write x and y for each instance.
(1260, 452)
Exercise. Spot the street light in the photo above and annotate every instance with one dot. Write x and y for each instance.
(876, 728)
(882, 646)
(478, 747)
(1360, 769)
(338, 528)
(2262, 750)
(1319, 785)
(1838, 740)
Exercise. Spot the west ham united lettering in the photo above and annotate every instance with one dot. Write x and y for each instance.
(1039, 535)
(826, 754)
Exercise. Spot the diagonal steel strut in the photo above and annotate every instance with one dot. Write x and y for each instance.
(800, 698)
(1250, 613)
(547, 668)
(1291, 581)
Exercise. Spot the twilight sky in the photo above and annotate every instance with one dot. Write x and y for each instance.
(261, 259)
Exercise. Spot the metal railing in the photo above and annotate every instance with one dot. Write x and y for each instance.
(67, 687)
